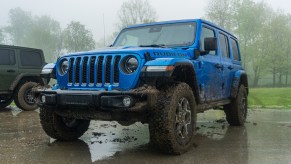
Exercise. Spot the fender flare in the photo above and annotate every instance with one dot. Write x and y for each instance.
(240, 77)
(178, 63)
(32, 77)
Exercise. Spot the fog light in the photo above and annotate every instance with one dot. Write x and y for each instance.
(127, 101)
(43, 98)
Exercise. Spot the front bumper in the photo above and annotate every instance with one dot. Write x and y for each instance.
(135, 100)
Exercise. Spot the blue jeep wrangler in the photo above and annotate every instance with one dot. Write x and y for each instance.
(161, 73)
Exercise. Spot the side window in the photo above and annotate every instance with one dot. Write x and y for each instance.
(7, 57)
(206, 33)
(235, 52)
(30, 58)
(12, 57)
(4, 56)
(224, 45)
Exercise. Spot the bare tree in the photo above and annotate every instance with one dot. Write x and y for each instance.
(135, 12)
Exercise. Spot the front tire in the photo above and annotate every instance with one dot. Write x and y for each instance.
(24, 98)
(173, 122)
(236, 111)
(62, 128)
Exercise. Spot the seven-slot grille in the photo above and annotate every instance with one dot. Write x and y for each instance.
(101, 70)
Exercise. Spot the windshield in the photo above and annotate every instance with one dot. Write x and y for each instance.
(169, 35)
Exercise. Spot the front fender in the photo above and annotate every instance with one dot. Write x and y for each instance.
(177, 69)
(163, 67)
(49, 71)
(26, 77)
(240, 77)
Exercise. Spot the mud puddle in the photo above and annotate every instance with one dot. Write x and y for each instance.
(264, 139)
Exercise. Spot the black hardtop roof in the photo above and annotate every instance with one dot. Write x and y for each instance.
(18, 47)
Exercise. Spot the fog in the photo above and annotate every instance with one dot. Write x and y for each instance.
(90, 12)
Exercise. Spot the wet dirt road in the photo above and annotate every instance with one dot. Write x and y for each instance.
(266, 138)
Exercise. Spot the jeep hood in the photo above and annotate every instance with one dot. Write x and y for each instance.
(153, 52)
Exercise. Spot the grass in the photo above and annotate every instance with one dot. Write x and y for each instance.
(275, 98)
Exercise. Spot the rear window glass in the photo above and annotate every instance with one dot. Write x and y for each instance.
(234, 50)
(30, 58)
(224, 45)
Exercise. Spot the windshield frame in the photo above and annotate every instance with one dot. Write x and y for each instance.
(160, 24)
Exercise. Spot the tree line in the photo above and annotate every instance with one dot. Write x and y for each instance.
(264, 35)
(45, 33)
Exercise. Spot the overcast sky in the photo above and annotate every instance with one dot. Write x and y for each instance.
(90, 12)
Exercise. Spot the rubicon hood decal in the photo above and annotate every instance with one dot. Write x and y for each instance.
(168, 54)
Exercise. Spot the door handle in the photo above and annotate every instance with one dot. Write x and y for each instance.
(11, 70)
(230, 67)
(219, 66)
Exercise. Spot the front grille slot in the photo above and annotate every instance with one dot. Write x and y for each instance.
(71, 64)
(108, 69)
(116, 69)
(84, 70)
(99, 70)
(77, 71)
(94, 71)
(92, 68)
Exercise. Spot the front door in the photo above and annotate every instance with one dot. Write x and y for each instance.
(211, 69)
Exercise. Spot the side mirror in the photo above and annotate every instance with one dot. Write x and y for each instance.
(210, 44)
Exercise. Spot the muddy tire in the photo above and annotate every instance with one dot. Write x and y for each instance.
(24, 98)
(61, 128)
(172, 124)
(236, 111)
(5, 101)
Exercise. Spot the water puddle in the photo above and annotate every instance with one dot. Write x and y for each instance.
(106, 139)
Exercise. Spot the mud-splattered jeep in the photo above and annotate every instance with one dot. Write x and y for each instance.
(161, 73)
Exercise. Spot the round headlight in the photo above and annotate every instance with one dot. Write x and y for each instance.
(64, 66)
(131, 64)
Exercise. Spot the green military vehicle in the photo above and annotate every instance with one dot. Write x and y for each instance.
(20, 69)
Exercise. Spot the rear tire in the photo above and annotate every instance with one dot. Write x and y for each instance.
(24, 98)
(172, 124)
(236, 111)
(62, 128)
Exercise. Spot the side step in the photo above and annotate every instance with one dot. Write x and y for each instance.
(209, 105)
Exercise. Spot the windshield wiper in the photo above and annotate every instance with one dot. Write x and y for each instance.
(154, 45)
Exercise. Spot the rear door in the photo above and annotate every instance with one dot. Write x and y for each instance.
(230, 55)
(8, 68)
